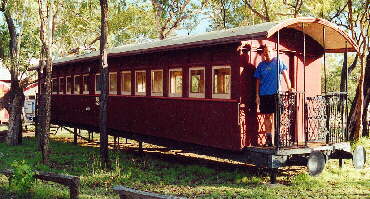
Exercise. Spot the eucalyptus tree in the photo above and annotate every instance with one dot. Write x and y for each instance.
(19, 44)
(171, 14)
(47, 10)
(103, 114)
(233, 13)
(78, 25)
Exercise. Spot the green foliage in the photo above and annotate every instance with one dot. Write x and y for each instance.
(164, 174)
(334, 63)
(23, 178)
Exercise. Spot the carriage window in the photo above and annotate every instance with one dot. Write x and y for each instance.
(61, 85)
(54, 83)
(113, 83)
(140, 82)
(221, 78)
(69, 85)
(77, 84)
(85, 79)
(157, 82)
(175, 88)
(196, 82)
(97, 83)
(126, 83)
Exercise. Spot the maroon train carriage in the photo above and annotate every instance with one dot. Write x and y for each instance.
(200, 90)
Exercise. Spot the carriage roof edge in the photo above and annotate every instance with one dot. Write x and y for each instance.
(259, 31)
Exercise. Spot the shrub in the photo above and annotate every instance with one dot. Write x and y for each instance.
(22, 179)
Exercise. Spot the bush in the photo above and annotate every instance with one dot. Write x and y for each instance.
(22, 179)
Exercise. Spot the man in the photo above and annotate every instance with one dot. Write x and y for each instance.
(266, 87)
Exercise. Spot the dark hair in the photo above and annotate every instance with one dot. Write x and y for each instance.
(262, 48)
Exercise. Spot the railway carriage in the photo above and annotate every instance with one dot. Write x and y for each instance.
(200, 90)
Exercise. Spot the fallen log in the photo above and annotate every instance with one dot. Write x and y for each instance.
(72, 182)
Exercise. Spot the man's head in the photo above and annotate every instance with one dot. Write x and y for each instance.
(266, 53)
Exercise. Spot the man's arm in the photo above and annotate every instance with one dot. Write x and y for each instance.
(287, 81)
(257, 92)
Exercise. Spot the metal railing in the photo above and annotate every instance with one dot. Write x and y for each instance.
(286, 117)
(326, 118)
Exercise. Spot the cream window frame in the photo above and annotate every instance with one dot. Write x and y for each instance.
(60, 91)
(136, 92)
(96, 92)
(113, 92)
(74, 84)
(68, 93)
(52, 86)
(169, 82)
(197, 95)
(83, 84)
(151, 83)
(220, 96)
(123, 80)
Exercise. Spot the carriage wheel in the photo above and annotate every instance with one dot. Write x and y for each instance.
(359, 157)
(316, 163)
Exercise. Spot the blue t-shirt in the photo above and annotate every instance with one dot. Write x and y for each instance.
(266, 73)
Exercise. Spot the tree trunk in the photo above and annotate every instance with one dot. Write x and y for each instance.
(46, 37)
(44, 113)
(15, 99)
(15, 116)
(103, 116)
(366, 129)
(356, 116)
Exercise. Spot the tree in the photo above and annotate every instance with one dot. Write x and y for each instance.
(47, 17)
(103, 116)
(355, 18)
(16, 16)
(170, 14)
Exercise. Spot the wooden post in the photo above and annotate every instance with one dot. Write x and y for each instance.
(273, 173)
(75, 136)
(340, 162)
(140, 146)
(74, 188)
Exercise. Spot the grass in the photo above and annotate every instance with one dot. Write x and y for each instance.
(168, 174)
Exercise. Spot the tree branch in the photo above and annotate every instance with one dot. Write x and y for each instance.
(263, 17)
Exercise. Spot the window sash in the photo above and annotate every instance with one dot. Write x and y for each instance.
(126, 83)
(77, 84)
(140, 82)
(61, 85)
(175, 82)
(221, 82)
(97, 84)
(197, 82)
(157, 82)
(85, 79)
(112, 83)
(69, 84)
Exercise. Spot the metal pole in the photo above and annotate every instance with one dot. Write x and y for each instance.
(325, 79)
(346, 97)
(327, 99)
(304, 82)
(277, 98)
